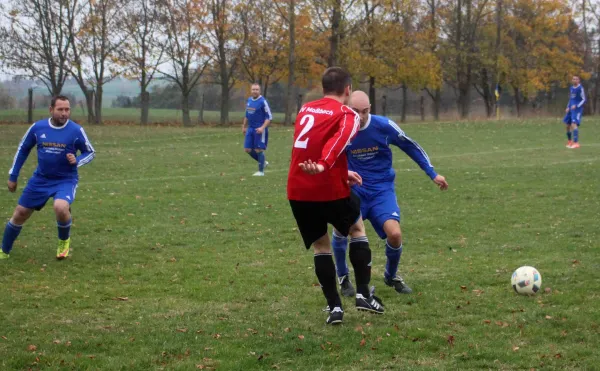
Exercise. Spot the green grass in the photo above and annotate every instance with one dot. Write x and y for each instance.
(215, 274)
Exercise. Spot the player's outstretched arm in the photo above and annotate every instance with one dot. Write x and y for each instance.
(86, 150)
(25, 146)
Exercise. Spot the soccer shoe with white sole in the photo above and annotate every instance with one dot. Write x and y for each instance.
(569, 144)
(575, 145)
(63, 249)
(398, 284)
(346, 286)
(4, 255)
(371, 304)
(336, 316)
(259, 173)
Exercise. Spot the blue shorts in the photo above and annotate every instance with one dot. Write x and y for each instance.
(39, 190)
(256, 141)
(573, 117)
(378, 207)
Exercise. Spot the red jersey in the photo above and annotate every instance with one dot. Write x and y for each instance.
(323, 129)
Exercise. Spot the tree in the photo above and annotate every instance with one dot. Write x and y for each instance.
(540, 27)
(186, 52)
(96, 42)
(289, 16)
(35, 39)
(431, 39)
(143, 53)
(263, 56)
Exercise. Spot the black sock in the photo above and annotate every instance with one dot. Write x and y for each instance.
(325, 270)
(360, 257)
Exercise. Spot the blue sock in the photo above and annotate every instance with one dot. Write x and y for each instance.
(254, 155)
(11, 232)
(261, 161)
(576, 135)
(340, 245)
(64, 230)
(393, 260)
(569, 135)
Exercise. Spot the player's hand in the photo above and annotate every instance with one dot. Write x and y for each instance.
(244, 130)
(354, 178)
(573, 107)
(12, 186)
(259, 130)
(441, 182)
(312, 168)
(72, 159)
(567, 110)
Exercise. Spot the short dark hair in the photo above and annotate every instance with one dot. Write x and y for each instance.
(335, 80)
(255, 84)
(58, 97)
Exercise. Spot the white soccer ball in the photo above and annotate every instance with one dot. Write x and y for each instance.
(526, 280)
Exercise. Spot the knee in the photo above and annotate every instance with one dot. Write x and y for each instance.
(61, 208)
(21, 215)
(247, 150)
(257, 150)
(358, 229)
(395, 238)
(322, 245)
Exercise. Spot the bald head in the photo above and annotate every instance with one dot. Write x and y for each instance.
(359, 102)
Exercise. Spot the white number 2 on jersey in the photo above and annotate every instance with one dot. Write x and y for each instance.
(307, 121)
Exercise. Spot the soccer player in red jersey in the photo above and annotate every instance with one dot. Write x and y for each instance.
(319, 190)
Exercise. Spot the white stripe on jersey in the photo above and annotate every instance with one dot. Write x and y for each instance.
(403, 135)
(582, 97)
(268, 111)
(19, 149)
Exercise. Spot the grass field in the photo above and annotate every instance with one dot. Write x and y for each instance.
(181, 259)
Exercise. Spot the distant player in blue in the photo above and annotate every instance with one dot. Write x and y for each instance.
(256, 127)
(574, 112)
(57, 140)
(370, 155)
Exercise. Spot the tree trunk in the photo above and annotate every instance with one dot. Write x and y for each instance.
(291, 62)
(335, 38)
(89, 102)
(517, 102)
(437, 100)
(185, 109)
(145, 105)
(98, 104)
(224, 103)
(372, 95)
(422, 108)
(404, 102)
(486, 93)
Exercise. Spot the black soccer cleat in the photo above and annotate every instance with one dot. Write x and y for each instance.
(371, 304)
(336, 316)
(346, 286)
(398, 284)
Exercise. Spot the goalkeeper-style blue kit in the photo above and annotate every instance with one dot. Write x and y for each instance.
(370, 155)
(257, 111)
(577, 99)
(54, 177)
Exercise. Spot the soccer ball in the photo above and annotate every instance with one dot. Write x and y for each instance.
(526, 280)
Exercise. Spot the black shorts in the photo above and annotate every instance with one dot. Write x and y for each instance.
(312, 217)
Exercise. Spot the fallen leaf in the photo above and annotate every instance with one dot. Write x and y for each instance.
(182, 330)
(322, 346)
(563, 333)
(487, 321)
(463, 288)
(55, 341)
(4, 337)
(91, 357)
(299, 350)
(451, 340)
(548, 317)
(287, 329)
(214, 214)
(558, 355)
(260, 357)
(121, 298)
(515, 348)
(173, 260)
(363, 342)
(217, 336)
(32, 348)
(301, 337)
(358, 328)
(68, 343)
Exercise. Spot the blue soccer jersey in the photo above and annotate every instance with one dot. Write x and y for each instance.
(53, 144)
(257, 111)
(370, 154)
(576, 97)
